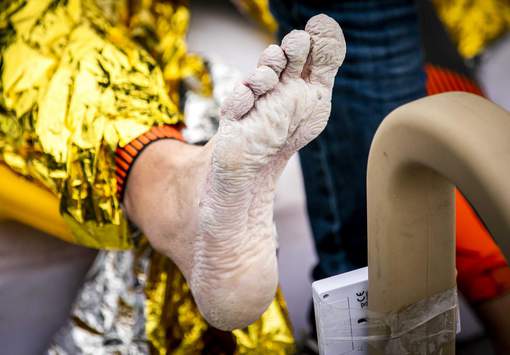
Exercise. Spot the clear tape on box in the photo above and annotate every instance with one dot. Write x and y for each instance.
(420, 328)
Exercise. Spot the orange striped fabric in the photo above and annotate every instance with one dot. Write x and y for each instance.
(442, 80)
(483, 271)
(126, 156)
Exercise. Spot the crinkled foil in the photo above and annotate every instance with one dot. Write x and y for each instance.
(108, 315)
(137, 302)
(473, 24)
(73, 87)
(160, 27)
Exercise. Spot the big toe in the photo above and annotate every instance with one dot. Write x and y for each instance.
(327, 51)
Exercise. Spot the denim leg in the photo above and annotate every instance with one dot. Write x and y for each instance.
(382, 70)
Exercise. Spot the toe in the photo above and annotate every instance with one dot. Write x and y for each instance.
(238, 103)
(262, 80)
(274, 58)
(327, 49)
(296, 46)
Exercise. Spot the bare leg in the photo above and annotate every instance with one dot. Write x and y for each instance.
(210, 209)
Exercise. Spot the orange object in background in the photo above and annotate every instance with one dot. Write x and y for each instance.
(482, 270)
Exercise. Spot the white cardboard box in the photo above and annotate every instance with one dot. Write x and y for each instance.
(341, 309)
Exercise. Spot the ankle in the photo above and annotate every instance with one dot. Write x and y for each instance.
(162, 191)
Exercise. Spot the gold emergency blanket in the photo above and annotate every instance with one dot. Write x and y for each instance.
(473, 24)
(125, 288)
(259, 11)
(73, 88)
(78, 79)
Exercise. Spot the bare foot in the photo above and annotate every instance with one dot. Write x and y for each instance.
(227, 247)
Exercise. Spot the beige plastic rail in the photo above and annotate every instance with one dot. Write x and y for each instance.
(420, 152)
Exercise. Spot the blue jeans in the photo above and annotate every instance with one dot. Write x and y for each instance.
(383, 69)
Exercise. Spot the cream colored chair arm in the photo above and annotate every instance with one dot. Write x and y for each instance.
(420, 152)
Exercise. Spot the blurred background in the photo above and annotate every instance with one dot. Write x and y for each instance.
(222, 35)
